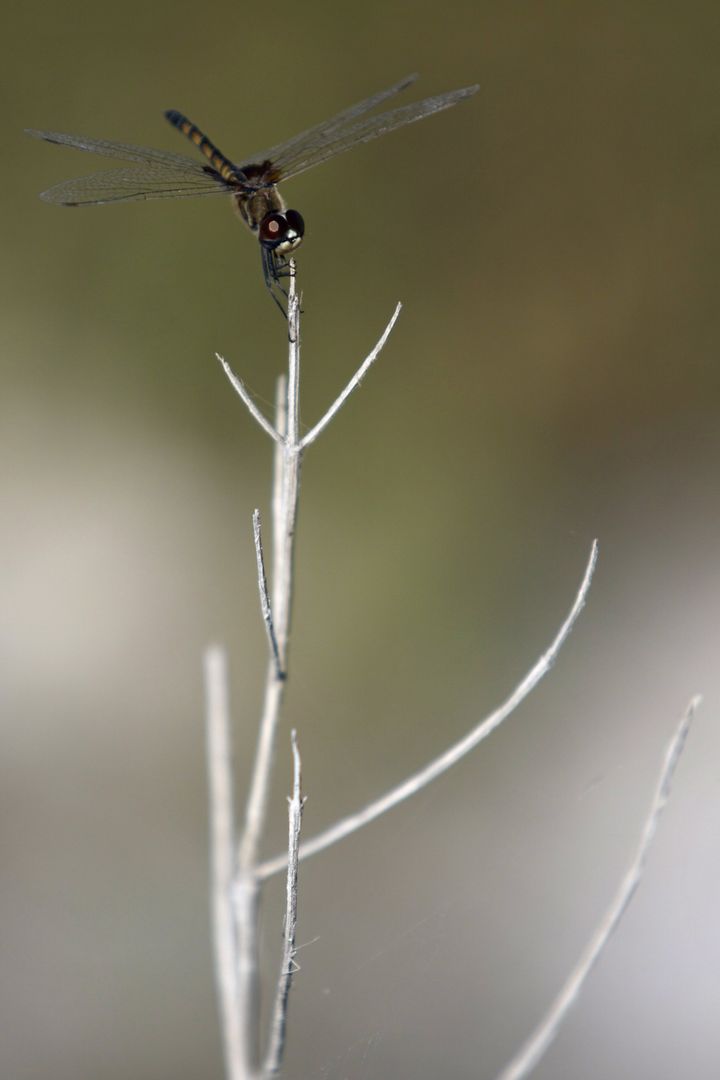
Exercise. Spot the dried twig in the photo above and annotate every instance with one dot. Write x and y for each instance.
(451, 756)
(285, 516)
(252, 408)
(354, 382)
(263, 590)
(530, 1054)
(288, 967)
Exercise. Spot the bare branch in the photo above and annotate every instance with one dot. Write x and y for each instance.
(450, 757)
(278, 465)
(263, 590)
(287, 479)
(292, 437)
(222, 848)
(353, 384)
(533, 1050)
(252, 408)
(247, 884)
(278, 1027)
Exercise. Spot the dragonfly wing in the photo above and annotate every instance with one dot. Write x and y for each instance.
(297, 157)
(312, 135)
(129, 185)
(143, 155)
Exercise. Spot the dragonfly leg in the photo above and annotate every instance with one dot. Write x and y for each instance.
(272, 278)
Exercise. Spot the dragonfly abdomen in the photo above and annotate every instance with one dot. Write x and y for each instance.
(192, 132)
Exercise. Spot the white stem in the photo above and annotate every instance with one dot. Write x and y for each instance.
(287, 479)
(236, 885)
(288, 967)
(451, 756)
(290, 484)
(278, 464)
(222, 854)
(246, 895)
(530, 1054)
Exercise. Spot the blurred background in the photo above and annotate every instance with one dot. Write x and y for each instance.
(554, 377)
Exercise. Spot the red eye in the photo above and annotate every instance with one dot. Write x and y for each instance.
(272, 229)
(281, 231)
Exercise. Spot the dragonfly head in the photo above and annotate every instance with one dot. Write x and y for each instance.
(281, 233)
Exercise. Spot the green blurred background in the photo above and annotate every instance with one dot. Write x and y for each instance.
(554, 377)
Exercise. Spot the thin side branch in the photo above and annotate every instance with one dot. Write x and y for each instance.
(263, 590)
(278, 1027)
(533, 1050)
(241, 389)
(353, 384)
(222, 849)
(450, 757)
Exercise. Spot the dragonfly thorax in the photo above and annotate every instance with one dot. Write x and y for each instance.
(255, 206)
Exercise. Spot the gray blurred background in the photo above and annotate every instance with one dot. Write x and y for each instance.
(554, 377)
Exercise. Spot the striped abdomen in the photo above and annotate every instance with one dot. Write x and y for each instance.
(218, 161)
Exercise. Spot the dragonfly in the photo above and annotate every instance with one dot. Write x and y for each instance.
(251, 182)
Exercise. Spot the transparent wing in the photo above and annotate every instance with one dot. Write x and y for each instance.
(346, 131)
(130, 185)
(158, 174)
(313, 134)
(142, 155)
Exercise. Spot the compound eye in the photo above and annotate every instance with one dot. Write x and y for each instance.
(272, 230)
(295, 222)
